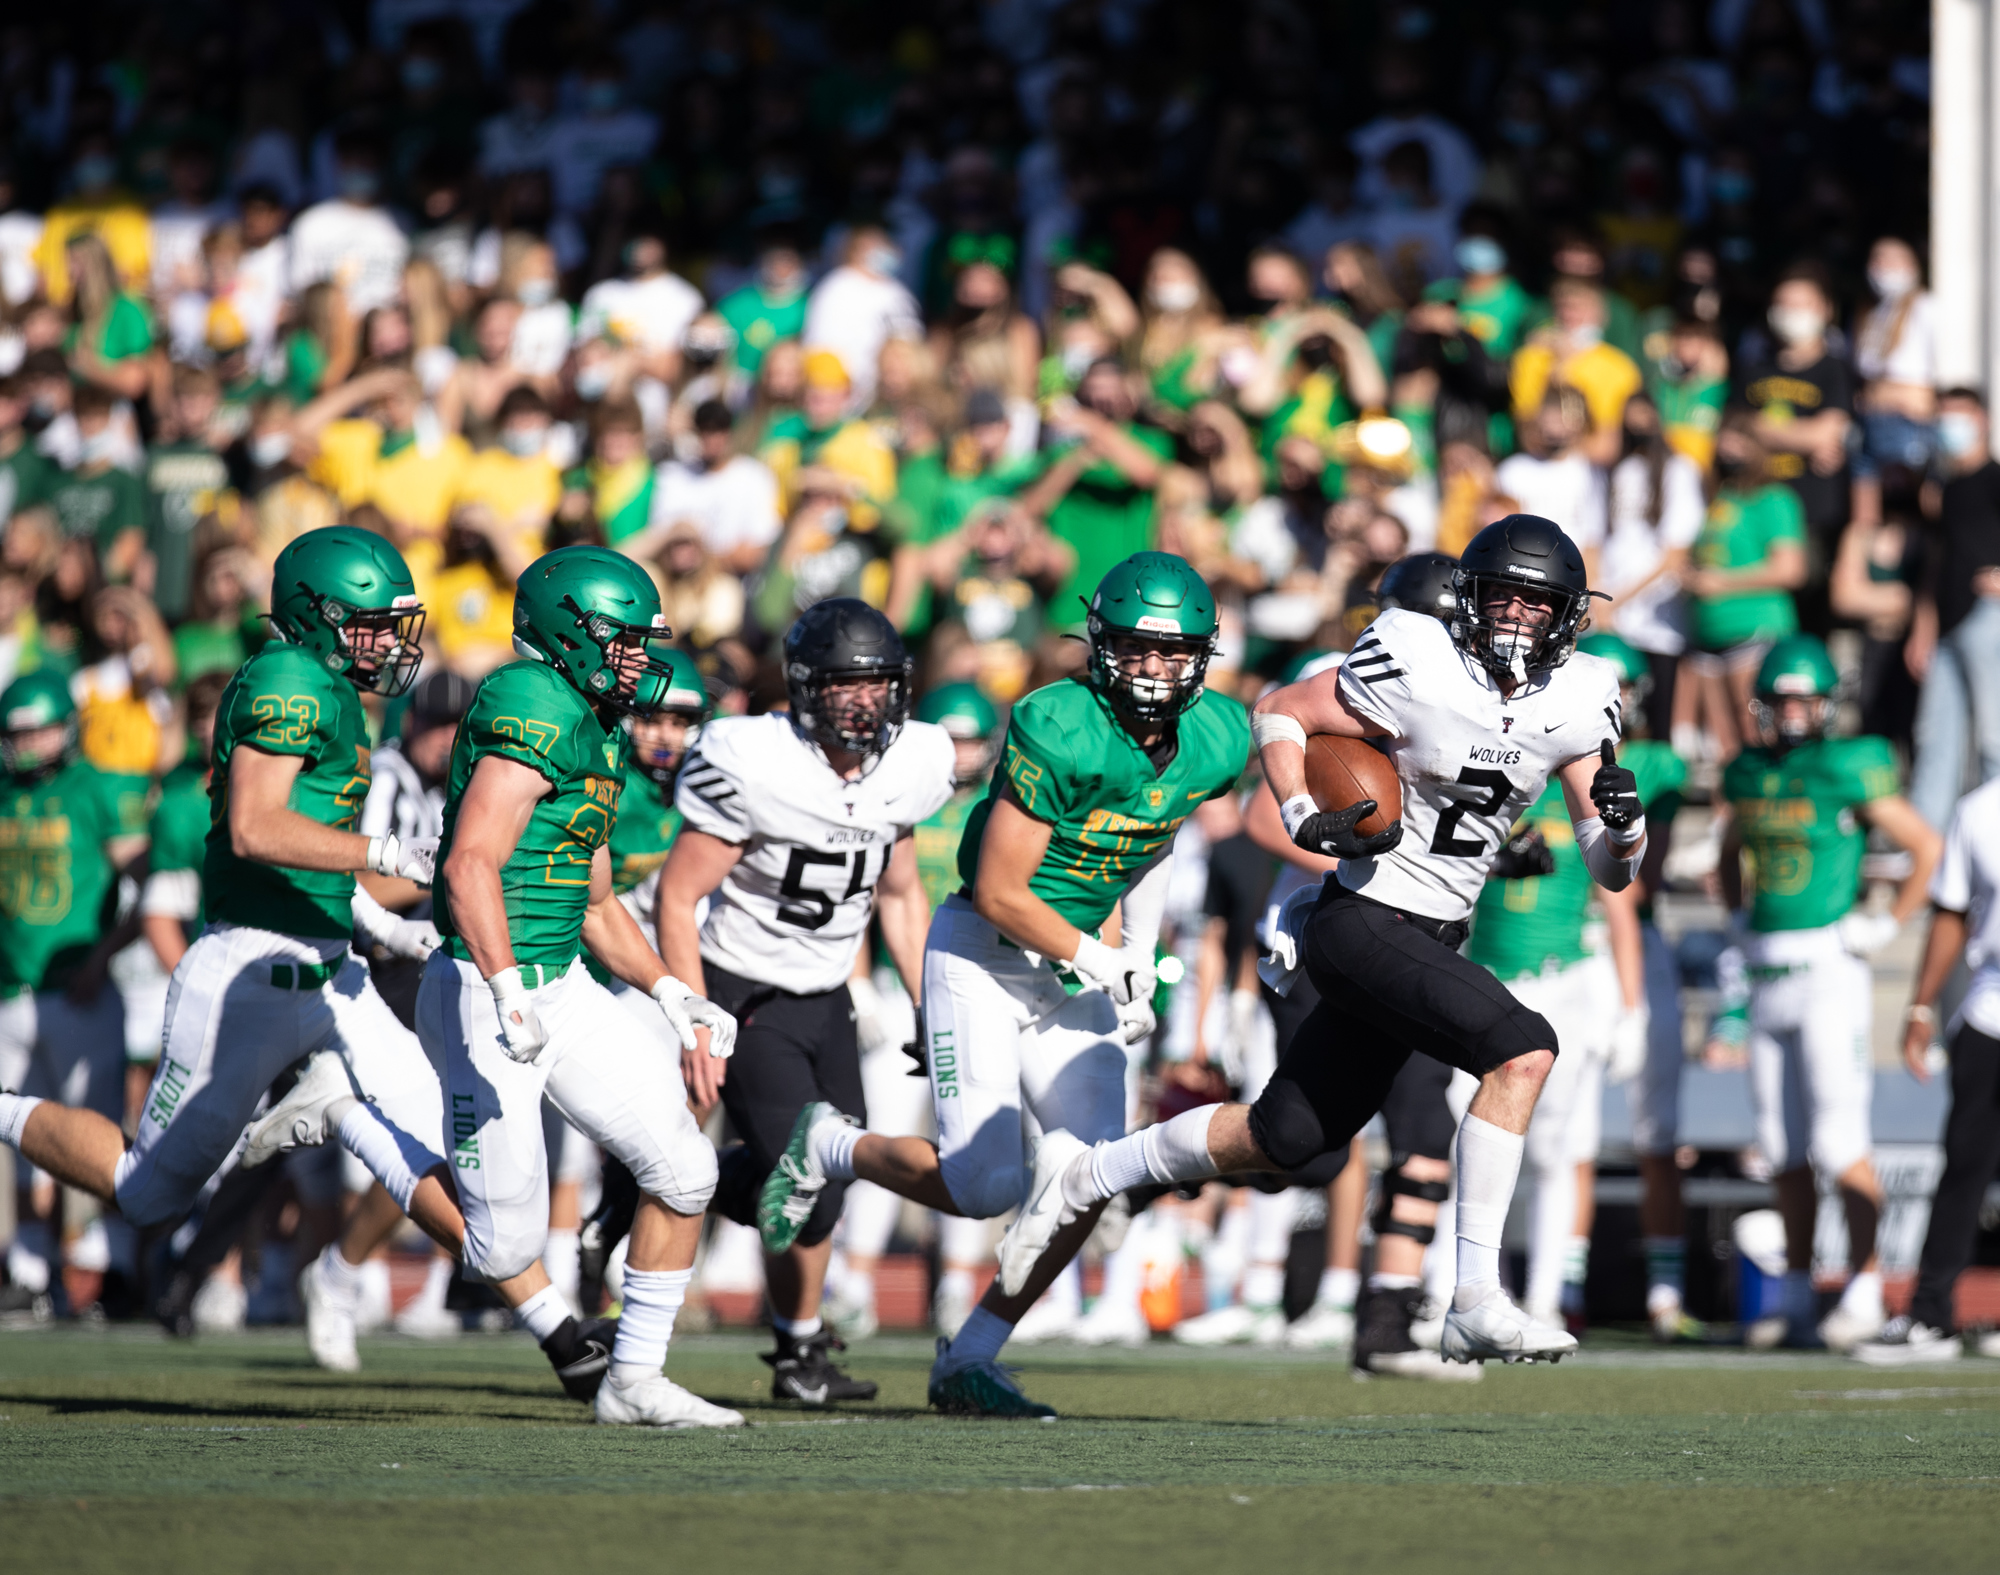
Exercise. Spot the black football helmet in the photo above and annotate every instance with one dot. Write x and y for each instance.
(845, 638)
(1425, 582)
(1532, 553)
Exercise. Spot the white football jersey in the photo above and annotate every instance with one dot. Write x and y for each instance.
(795, 909)
(1470, 761)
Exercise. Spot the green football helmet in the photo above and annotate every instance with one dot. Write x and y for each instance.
(684, 696)
(967, 715)
(571, 606)
(1796, 668)
(1158, 599)
(331, 582)
(32, 702)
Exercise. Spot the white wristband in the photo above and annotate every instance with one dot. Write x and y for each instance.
(1267, 727)
(507, 985)
(1094, 960)
(1295, 811)
(384, 853)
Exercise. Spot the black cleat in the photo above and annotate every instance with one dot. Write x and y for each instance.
(803, 1370)
(580, 1352)
(1383, 1342)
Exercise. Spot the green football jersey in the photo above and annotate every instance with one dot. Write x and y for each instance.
(1071, 763)
(527, 713)
(938, 842)
(1796, 810)
(1522, 926)
(283, 702)
(54, 877)
(644, 833)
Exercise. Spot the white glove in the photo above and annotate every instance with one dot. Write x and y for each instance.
(1865, 934)
(685, 1011)
(521, 1033)
(1136, 1021)
(1124, 976)
(413, 860)
(415, 938)
(872, 1029)
(1629, 1037)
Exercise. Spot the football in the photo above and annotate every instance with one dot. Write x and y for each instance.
(1343, 771)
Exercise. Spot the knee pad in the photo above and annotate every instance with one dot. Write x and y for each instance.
(511, 1252)
(1285, 1125)
(983, 1192)
(683, 1173)
(738, 1181)
(1394, 1184)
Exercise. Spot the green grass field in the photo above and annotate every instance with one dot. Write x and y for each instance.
(119, 1450)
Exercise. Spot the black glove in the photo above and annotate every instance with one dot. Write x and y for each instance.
(918, 1050)
(1523, 858)
(1330, 833)
(1615, 791)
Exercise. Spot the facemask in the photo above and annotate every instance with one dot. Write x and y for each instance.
(97, 447)
(1480, 254)
(1796, 325)
(1892, 284)
(1587, 334)
(593, 382)
(359, 185)
(535, 292)
(1176, 295)
(524, 442)
(95, 169)
(1958, 433)
(270, 448)
(884, 260)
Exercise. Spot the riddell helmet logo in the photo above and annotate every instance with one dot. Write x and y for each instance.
(1154, 625)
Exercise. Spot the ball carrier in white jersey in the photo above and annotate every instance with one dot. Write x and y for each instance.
(1476, 717)
(798, 828)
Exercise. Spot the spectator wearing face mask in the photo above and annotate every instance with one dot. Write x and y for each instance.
(1689, 384)
(100, 501)
(1552, 475)
(861, 305)
(614, 486)
(186, 478)
(1181, 321)
(371, 441)
(351, 238)
(25, 475)
(1571, 350)
(1803, 395)
(771, 307)
(1492, 306)
(823, 436)
(700, 599)
(1954, 647)
(224, 622)
(96, 205)
(470, 595)
(732, 498)
(546, 327)
(124, 700)
(648, 310)
(991, 580)
(517, 480)
(1895, 356)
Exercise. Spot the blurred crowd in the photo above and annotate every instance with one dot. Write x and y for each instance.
(953, 306)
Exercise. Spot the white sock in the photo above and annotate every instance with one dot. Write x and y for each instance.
(338, 1276)
(559, 1258)
(646, 1323)
(1124, 1274)
(1175, 1150)
(832, 1142)
(1864, 1294)
(437, 1284)
(370, 1139)
(955, 1283)
(542, 1313)
(14, 1112)
(1551, 1213)
(1489, 1161)
(1338, 1287)
(1263, 1285)
(978, 1340)
(797, 1328)
(1393, 1282)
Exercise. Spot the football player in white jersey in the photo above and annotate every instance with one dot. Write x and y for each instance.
(799, 829)
(1476, 717)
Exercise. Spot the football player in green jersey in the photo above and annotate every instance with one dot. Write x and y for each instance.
(1802, 804)
(272, 978)
(66, 830)
(507, 1008)
(1097, 773)
(897, 1093)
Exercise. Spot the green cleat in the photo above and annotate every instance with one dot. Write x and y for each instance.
(795, 1182)
(981, 1389)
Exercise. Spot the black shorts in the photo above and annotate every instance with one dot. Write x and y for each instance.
(790, 1051)
(1391, 984)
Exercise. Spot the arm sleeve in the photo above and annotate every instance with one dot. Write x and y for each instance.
(378, 809)
(1035, 761)
(1375, 679)
(1144, 905)
(1606, 868)
(709, 795)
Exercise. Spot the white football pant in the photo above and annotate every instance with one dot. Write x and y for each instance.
(1811, 1077)
(1656, 1091)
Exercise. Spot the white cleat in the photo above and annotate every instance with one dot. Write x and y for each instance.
(657, 1401)
(1843, 1330)
(1427, 1329)
(329, 1323)
(1904, 1342)
(299, 1120)
(1121, 1325)
(1045, 1212)
(219, 1306)
(1495, 1327)
(428, 1320)
(852, 1317)
(1049, 1319)
(1424, 1365)
(1238, 1325)
(1324, 1327)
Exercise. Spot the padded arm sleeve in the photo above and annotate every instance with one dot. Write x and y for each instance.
(1606, 867)
(1144, 905)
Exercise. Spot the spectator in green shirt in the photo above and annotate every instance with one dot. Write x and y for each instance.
(25, 474)
(98, 500)
(1687, 373)
(225, 627)
(1747, 561)
(1491, 304)
(771, 307)
(110, 339)
(185, 478)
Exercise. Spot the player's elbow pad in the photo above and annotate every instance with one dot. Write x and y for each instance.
(1610, 868)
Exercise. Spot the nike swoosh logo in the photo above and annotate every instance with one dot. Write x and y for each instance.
(1552, 727)
(816, 1396)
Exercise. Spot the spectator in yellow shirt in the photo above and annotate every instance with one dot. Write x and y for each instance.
(362, 440)
(515, 479)
(96, 204)
(470, 596)
(1571, 350)
(821, 436)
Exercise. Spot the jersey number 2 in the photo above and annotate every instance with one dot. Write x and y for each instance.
(1497, 788)
(808, 908)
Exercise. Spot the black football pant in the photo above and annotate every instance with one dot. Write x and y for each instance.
(1971, 1155)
